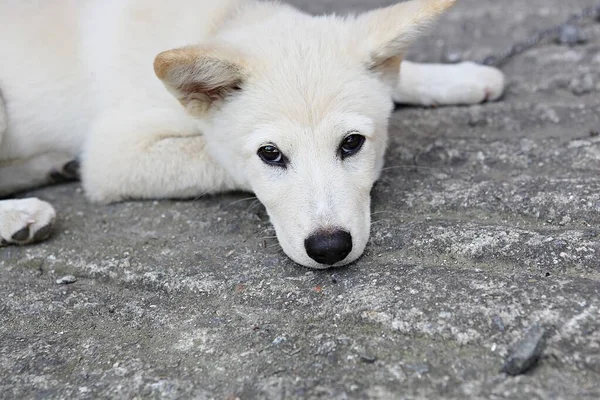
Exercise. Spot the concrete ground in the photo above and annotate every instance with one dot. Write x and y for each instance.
(487, 222)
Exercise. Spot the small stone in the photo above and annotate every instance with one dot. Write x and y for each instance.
(366, 355)
(279, 340)
(66, 280)
(526, 352)
(571, 35)
(368, 358)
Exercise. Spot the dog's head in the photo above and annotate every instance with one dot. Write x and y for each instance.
(296, 109)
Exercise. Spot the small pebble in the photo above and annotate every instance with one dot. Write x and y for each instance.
(366, 355)
(368, 358)
(66, 280)
(526, 352)
(279, 340)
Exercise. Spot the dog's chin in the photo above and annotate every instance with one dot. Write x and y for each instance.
(315, 265)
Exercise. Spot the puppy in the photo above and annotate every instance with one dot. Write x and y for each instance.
(182, 98)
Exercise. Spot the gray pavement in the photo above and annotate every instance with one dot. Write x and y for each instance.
(487, 222)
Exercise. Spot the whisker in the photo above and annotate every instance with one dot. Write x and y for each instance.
(199, 196)
(380, 220)
(274, 245)
(386, 180)
(280, 251)
(254, 203)
(241, 201)
(383, 212)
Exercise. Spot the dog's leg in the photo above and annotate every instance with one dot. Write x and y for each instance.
(149, 155)
(448, 84)
(19, 175)
(24, 221)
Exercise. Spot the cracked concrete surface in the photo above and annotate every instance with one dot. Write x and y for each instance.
(486, 222)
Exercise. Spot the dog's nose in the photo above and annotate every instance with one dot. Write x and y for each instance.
(326, 247)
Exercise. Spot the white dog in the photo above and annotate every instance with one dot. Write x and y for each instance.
(259, 97)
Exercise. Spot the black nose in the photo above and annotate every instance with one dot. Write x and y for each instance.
(329, 247)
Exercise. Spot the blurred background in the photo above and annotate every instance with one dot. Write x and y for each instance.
(485, 25)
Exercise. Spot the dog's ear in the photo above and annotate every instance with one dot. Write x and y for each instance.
(200, 77)
(389, 31)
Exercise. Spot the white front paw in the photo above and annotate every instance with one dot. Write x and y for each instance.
(469, 83)
(24, 221)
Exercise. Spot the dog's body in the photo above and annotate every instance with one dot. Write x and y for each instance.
(268, 99)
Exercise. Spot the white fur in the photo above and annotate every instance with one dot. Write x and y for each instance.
(440, 84)
(78, 81)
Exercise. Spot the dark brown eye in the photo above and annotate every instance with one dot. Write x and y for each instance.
(351, 145)
(272, 156)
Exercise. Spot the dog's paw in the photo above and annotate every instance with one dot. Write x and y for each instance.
(67, 173)
(481, 83)
(24, 221)
(469, 83)
(450, 84)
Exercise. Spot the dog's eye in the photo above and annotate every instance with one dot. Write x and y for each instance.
(351, 145)
(272, 156)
